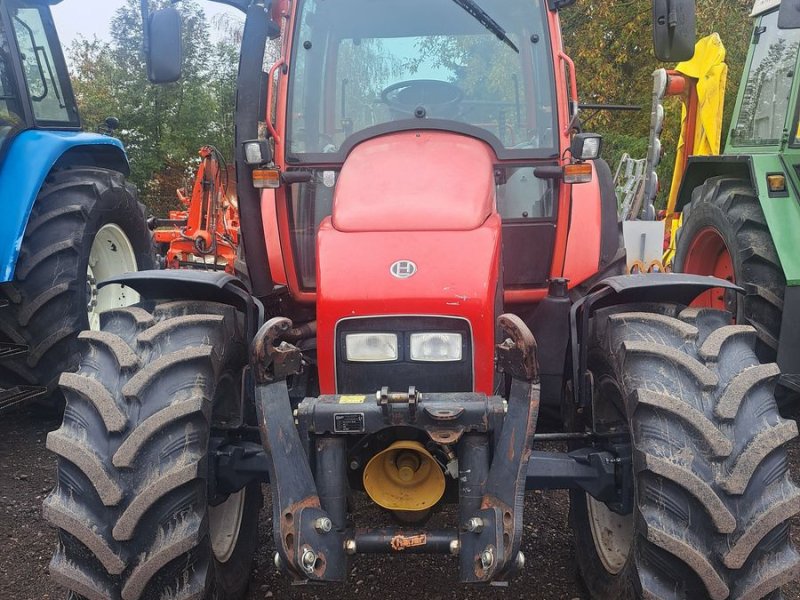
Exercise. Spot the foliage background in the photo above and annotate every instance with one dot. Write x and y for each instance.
(164, 126)
(611, 44)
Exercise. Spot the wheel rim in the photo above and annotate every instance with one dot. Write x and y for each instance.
(111, 254)
(612, 533)
(709, 255)
(224, 524)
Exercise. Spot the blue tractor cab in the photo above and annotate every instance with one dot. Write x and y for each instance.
(70, 219)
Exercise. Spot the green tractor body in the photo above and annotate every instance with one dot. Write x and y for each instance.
(742, 209)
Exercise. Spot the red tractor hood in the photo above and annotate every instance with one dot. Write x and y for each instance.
(421, 202)
(415, 181)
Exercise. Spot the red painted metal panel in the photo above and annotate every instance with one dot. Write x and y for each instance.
(415, 181)
(457, 275)
(583, 245)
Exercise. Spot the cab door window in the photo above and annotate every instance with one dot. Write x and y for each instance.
(10, 113)
(765, 103)
(45, 76)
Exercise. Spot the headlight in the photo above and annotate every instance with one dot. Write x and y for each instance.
(436, 347)
(371, 347)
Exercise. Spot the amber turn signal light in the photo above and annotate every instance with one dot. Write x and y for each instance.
(266, 178)
(578, 173)
(776, 183)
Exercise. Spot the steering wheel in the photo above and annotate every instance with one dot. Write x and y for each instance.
(438, 98)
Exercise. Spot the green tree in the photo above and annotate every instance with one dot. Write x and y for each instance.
(162, 126)
(611, 45)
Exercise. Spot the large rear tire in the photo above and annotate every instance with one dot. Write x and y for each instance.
(132, 501)
(724, 222)
(85, 226)
(712, 494)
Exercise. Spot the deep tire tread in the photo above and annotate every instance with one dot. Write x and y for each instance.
(714, 497)
(48, 297)
(131, 496)
(731, 206)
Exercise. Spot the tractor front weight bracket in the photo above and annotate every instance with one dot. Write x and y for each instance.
(312, 536)
(308, 547)
(491, 539)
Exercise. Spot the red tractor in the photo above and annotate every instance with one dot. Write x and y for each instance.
(434, 258)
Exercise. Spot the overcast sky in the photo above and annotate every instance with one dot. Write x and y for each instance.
(93, 17)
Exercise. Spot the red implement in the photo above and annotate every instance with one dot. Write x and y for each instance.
(206, 234)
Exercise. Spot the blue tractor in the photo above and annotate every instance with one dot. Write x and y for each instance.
(71, 219)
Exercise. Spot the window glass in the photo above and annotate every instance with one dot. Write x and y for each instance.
(44, 86)
(10, 114)
(309, 204)
(522, 195)
(765, 103)
(361, 63)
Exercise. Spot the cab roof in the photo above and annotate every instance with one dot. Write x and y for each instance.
(762, 6)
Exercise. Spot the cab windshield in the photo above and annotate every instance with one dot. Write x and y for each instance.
(484, 64)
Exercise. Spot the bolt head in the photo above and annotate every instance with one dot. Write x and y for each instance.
(487, 559)
(350, 547)
(354, 464)
(520, 561)
(323, 525)
(455, 547)
(276, 559)
(308, 560)
(475, 525)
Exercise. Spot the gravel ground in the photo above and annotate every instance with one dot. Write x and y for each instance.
(26, 542)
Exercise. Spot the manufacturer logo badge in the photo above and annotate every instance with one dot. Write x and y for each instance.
(403, 269)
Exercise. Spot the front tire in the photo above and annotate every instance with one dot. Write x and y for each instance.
(85, 226)
(712, 493)
(132, 500)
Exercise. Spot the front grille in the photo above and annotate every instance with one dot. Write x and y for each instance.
(398, 375)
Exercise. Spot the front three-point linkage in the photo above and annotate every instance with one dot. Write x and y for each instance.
(308, 546)
(491, 537)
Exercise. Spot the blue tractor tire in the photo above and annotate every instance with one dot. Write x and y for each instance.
(52, 294)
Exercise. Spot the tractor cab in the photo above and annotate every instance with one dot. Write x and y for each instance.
(34, 84)
(484, 76)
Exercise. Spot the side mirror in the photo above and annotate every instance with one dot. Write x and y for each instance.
(789, 16)
(674, 29)
(164, 46)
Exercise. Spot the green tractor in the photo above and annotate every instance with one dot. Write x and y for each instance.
(741, 210)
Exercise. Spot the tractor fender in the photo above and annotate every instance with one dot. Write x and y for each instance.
(30, 158)
(677, 288)
(701, 168)
(201, 286)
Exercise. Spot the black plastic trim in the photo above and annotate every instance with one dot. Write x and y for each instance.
(610, 227)
(789, 342)
(398, 375)
(248, 101)
(186, 284)
(401, 125)
(701, 168)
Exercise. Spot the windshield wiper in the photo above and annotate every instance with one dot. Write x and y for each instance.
(484, 19)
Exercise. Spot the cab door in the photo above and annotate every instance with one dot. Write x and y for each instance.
(13, 114)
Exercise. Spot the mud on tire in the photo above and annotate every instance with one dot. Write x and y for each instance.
(49, 295)
(131, 503)
(713, 498)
